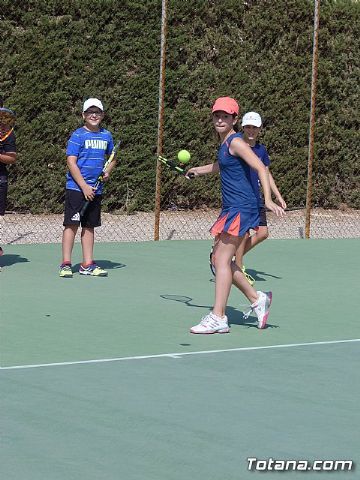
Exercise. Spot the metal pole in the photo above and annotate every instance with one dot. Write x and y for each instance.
(312, 119)
(160, 135)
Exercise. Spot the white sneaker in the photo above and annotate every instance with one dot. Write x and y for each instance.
(211, 323)
(261, 308)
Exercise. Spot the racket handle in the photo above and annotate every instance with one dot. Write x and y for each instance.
(84, 208)
(190, 175)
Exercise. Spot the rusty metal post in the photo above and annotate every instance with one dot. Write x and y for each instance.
(312, 119)
(160, 135)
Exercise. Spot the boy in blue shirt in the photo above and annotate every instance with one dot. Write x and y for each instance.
(86, 153)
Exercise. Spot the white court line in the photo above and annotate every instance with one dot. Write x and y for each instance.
(178, 355)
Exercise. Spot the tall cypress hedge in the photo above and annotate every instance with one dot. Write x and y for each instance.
(56, 53)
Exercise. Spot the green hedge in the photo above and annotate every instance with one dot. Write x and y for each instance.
(55, 54)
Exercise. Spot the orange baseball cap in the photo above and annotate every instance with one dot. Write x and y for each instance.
(226, 104)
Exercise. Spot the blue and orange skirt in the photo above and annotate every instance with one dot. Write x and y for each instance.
(235, 222)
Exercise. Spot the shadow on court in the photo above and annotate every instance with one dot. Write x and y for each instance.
(106, 264)
(7, 260)
(258, 275)
(235, 317)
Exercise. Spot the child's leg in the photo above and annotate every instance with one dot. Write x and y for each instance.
(238, 277)
(223, 252)
(68, 239)
(261, 235)
(87, 243)
(260, 301)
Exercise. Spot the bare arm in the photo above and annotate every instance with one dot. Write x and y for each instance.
(109, 170)
(87, 190)
(204, 169)
(275, 191)
(8, 158)
(241, 149)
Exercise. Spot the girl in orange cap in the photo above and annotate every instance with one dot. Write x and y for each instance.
(239, 214)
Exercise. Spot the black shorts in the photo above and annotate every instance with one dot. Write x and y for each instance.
(3, 193)
(74, 201)
(263, 220)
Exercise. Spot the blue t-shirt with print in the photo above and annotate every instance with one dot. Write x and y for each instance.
(91, 149)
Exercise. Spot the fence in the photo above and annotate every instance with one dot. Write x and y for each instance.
(176, 225)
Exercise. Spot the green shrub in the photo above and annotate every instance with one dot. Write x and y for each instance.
(56, 54)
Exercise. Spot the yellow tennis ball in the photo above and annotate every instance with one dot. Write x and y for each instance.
(183, 156)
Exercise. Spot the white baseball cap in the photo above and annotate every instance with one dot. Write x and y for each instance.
(92, 102)
(251, 118)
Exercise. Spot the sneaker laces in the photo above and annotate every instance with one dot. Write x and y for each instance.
(252, 307)
(210, 320)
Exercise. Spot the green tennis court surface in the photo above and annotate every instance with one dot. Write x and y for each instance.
(154, 401)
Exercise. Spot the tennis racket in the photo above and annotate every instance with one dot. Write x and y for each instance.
(211, 263)
(212, 266)
(7, 123)
(100, 178)
(174, 167)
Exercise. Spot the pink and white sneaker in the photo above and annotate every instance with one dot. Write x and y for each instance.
(261, 307)
(211, 323)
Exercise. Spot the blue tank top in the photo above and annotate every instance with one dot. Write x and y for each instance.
(237, 189)
(260, 151)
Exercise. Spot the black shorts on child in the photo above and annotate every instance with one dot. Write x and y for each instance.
(3, 193)
(263, 220)
(74, 202)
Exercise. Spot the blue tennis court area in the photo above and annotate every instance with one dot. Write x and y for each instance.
(100, 377)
